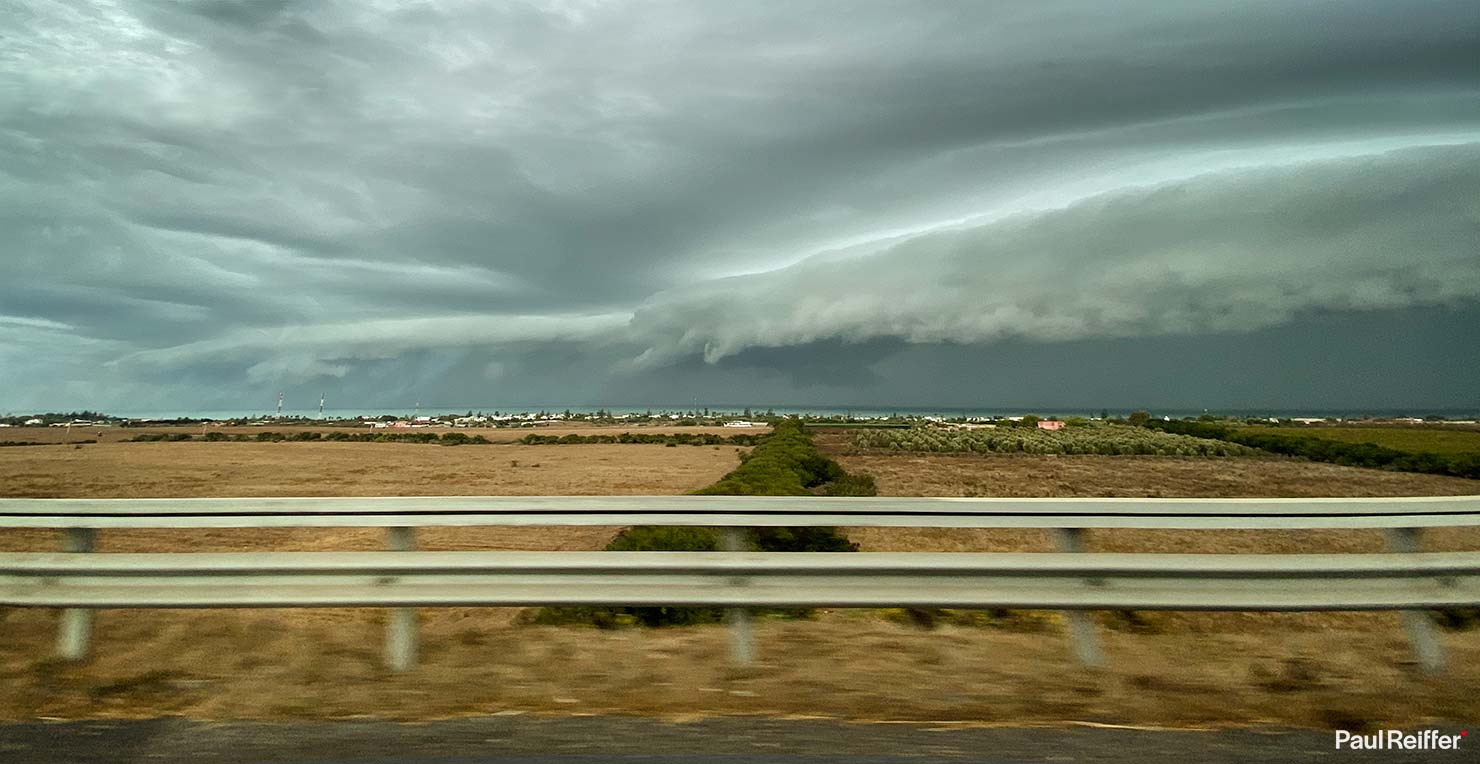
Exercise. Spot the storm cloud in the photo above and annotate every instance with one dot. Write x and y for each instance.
(671, 203)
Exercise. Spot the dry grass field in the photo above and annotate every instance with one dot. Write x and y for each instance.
(124, 470)
(265, 664)
(1172, 669)
(355, 469)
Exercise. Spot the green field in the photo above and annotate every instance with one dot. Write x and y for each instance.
(1433, 440)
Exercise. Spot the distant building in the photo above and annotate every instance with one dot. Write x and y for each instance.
(1049, 424)
(33, 422)
(741, 423)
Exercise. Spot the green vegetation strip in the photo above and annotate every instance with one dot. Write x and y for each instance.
(308, 436)
(4, 443)
(1412, 439)
(1318, 449)
(785, 463)
(448, 438)
(665, 439)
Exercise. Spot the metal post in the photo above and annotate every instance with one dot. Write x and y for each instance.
(742, 645)
(401, 628)
(75, 636)
(1081, 627)
(1417, 623)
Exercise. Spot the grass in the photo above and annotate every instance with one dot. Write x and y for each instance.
(1431, 440)
(318, 468)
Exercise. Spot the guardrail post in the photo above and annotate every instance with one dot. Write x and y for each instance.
(1081, 627)
(75, 635)
(401, 628)
(742, 645)
(1417, 623)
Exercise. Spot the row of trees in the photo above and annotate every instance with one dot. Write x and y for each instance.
(666, 439)
(1323, 450)
(309, 436)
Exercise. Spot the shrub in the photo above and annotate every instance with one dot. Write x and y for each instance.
(160, 437)
(1458, 619)
(786, 463)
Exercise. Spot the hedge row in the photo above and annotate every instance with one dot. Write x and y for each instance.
(445, 439)
(1322, 450)
(676, 439)
(785, 463)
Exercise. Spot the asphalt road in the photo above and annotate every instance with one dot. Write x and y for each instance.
(520, 739)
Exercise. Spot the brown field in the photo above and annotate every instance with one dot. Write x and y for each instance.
(124, 470)
(1174, 669)
(1133, 476)
(355, 469)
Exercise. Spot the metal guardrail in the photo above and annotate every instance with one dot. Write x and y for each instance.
(728, 579)
(743, 511)
(1072, 580)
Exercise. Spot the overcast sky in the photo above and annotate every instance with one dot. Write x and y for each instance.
(994, 204)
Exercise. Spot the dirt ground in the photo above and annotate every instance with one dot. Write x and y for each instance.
(1318, 670)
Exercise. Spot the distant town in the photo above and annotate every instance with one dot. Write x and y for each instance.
(704, 417)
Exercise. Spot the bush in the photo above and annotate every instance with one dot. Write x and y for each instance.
(1458, 619)
(160, 437)
(786, 463)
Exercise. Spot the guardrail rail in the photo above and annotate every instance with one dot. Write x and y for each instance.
(1073, 579)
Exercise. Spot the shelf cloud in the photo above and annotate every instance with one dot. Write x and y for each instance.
(203, 203)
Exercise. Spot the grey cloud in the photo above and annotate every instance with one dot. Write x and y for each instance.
(1227, 252)
(215, 196)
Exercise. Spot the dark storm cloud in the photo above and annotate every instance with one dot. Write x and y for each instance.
(201, 200)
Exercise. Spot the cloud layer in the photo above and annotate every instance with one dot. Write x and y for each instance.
(204, 202)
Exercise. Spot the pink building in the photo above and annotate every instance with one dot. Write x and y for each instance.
(1046, 424)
